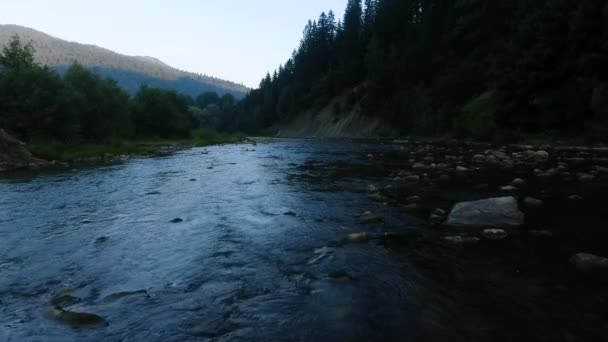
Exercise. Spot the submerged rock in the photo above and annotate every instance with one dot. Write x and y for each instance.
(587, 262)
(533, 202)
(493, 212)
(494, 234)
(65, 300)
(77, 319)
(368, 217)
(357, 238)
(461, 239)
(177, 220)
(340, 276)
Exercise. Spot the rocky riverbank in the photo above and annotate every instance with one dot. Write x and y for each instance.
(14, 155)
(473, 192)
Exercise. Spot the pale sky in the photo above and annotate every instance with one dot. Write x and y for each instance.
(237, 40)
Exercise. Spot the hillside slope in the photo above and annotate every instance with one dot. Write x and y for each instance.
(129, 71)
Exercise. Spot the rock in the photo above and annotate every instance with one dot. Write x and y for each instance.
(177, 220)
(436, 218)
(411, 207)
(65, 300)
(357, 238)
(340, 276)
(290, 213)
(418, 167)
(193, 180)
(461, 169)
(372, 188)
(533, 202)
(586, 178)
(575, 198)
(494, 234)
(77, 319)
(536, 157)
(102, 239)
(412, 178)
(518, 182)
(14, 155)
(461, 239)
(368, 218)
(508, 188)
(414, 199)
(376, 196)
(602, 169)
(493, 212)
(587, 262)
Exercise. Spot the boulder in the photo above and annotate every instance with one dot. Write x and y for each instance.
(368, 218)
(493, 212)
(533, 202)
(519, 183)
(14, 155)
(494, 234)
(587, 262)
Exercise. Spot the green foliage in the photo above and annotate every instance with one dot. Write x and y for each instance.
(161, 113)
(420, 62)
(206, 137)
(82, 114)
(477, 118)
(101, 106)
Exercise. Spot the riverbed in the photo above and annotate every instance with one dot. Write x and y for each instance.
(247, 242)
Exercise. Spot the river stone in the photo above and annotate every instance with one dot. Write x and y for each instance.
(494, 234)
(533, 202)
(77, 319)
(493, 212)
(461, 239)
(587, 262)
(414, 199)
(357, 238)
(368, 217)
(518, 182)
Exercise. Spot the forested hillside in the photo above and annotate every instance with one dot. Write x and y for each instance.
(473, 68)
(129, 71)
(40, 106)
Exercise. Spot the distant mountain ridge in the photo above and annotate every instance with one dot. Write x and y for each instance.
(129, 71)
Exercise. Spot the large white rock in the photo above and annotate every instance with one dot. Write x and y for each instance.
(493, 212)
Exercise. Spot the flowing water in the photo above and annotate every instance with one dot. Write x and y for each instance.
(255, 255)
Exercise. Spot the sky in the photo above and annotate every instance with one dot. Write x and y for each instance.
(237, 40)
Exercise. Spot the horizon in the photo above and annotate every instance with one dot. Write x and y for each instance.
(178, 34)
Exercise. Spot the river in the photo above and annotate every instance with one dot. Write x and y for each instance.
(240, 242)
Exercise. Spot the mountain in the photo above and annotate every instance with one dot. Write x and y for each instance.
(129, 71)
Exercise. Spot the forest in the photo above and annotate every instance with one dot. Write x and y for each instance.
(478, 69)
(39, 105)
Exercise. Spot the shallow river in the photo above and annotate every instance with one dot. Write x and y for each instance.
(257, 256)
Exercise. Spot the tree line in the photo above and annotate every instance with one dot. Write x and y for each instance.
(474, 68)
(38, 104)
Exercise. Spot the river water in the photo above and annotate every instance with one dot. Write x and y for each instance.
(256, 256)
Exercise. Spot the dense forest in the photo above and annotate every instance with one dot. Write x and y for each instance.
(472, 68)
(130, 72)
(39, 105)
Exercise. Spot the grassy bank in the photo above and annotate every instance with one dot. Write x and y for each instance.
(71, 153)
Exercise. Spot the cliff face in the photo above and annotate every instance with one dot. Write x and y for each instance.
(327, 123)
(14, 154)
